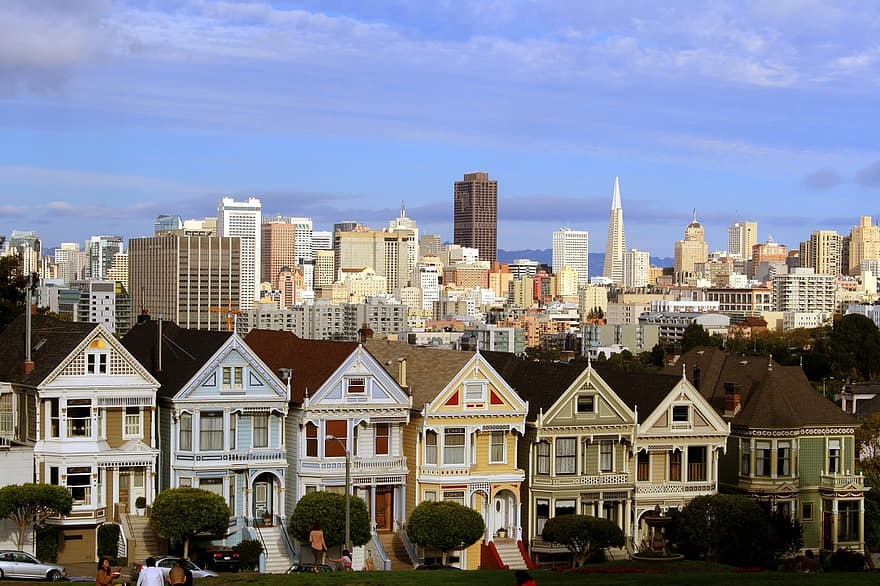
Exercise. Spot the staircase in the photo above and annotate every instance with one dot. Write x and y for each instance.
(277, 560)
(142, 540)
(510, 555)
(396, 551)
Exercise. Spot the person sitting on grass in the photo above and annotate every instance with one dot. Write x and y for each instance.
(345, 560)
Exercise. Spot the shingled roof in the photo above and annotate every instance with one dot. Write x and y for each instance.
(642, 390)
(312, 361)
(772, 396)
(52, 341)
(428, 370)
(184, 352)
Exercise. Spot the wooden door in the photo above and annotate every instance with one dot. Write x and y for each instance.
(124, 491)
(384, 508)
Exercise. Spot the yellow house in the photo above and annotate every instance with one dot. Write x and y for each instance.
(461, 444)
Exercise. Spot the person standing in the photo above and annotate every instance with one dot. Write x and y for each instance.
(150, 574)
(316, 541)
(184, 563)
(177, 577)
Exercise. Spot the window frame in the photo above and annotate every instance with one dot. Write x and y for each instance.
(468, 391)
(260, 441)
(834, 455)
(675, 461)
(783, 458)
(311, 443)
(542, 458)
(497, 441)
(185, 431)
(132, 423)
(382, 441)
(763, 458)
(453, 449)
(213, 435)
(606, 456)
(745, 457)
(563, 461)
(586, 400)
(431, 447)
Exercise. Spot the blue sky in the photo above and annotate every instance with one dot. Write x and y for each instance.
(113, 112)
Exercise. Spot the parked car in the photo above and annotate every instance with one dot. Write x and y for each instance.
(19, 564)
(165, 564)
(307, 568)
(220, 559)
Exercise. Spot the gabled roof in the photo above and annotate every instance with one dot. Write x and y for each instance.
(772, 396)
(184, 352)
(312, 361)
(52, 341)
(428, 370)
(641, 390)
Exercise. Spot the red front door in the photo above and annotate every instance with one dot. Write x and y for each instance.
(384, 508)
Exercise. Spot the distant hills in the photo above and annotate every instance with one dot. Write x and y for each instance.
(545, 256)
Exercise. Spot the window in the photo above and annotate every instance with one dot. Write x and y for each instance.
(566, 455)
(745, 457)
(681, 414)
(542, 513)
(232, 377)
(474, 392)
(53, 475)
(357, 385)
(430, 495)
(643, 463)
(675, 465)
(211, 430)
(214, 485)
(6, 417)
(261, 430)
(336, 448)
(834, 456)
(54, 418)
(79, 418)
(848, 521)
(186, 431)
(585, 404)
(606, 456)
(430, 447)
(79, 481)
(233, 431)
(807, 512)
(132, 421)
(542, 457)
(564, 507)
(453, 446)
(783, 458)
(381, 439)
(496, 447)
(456, 496)
(96, 362)
(762, 458)
(696, 463)
(311, 440)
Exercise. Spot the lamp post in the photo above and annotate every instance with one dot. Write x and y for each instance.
(347, 490)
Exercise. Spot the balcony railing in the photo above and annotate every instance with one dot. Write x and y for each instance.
(618, 479)
(838, 481)
(646, 488)
(358, 465)
(237, 456)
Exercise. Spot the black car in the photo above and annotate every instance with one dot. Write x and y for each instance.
(308, 568)
(221, 559)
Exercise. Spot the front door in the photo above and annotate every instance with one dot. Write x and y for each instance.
(501, 516)
(263, 501)
(384, 508)
(124, 491)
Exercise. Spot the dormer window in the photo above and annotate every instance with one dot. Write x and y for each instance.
(475, 392)
(357, 386)
(681, 415)
(97, 357)
(233, 377)
(586, 404)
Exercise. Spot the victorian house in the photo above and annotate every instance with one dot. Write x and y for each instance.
(343, 406)
(610, 444)
(89, 408)
(462, 443)
(789, 446)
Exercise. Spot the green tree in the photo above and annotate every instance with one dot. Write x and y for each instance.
(29, 505)
(694, 335)
(872, 507)
(12, 289)
(855, 346)
(584, 536)
(658, 355)
(444, 525)
(182, 513)
(868, 438)
(327, 509)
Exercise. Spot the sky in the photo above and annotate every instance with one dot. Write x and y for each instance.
(112, 112)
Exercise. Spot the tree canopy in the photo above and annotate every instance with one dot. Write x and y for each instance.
(444, 525)
(12, 289)
(327, 509)
(29, 505)
(583, 535)
(182, 513)
(854, 346)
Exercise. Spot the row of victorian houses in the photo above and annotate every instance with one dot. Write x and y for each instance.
(265, 419)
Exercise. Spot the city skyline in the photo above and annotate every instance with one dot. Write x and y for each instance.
(744, 111)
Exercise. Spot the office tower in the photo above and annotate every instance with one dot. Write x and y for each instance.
(325, 272)
(390, 254)
(119, 269)
(524, 267)
(322, 240)
(768, 252)
(741, 237)
(691, 251)
(429, 284)
(430, 245)
(67, 260)
(349, 226)
(822, 252)
(27, 245)
(475, 214)
(402, 222)
(804, 291)
(241, 219)
(190, 280)
(167, 223)
(100, 251)
(571, 248)
(636, 264)
(864, 244)
(616, 246)
(285, 243)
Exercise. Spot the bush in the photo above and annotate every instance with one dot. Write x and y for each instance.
(140, 503)
(444, 525)
(327, 509)
(47, 544)
(249, 551)
(586, 537)
(846, 560)
(108, 540)
(729, 529)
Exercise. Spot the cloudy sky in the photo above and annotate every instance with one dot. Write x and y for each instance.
(113, 112)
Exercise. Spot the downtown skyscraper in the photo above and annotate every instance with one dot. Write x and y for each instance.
(242, 220)
(571, 248)
(616, 246)
(475, 214)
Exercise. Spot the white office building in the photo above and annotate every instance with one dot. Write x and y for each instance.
(571, 248)
(242, 219)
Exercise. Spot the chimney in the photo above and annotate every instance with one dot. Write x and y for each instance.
(401, 371)
(28, 365)
(286, 375)
(732, 399)
(365, 333)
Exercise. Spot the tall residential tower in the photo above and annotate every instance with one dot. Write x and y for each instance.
(616, 246)
(571, 248)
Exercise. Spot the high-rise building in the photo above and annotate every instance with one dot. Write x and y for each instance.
(636, 264)
(325, 273)
(804, 291)
(767, 252)
(430, 245)
(571, 248)
(390, 254)
(189, 280)
(285, 243)
(119, 269)
(475, 214)
(864, 244)
(741, 237)
(67, 260)
(100, 251)
(167, 223)
(27, 245)
(616, 246)
(691, 251)
(822, 252)
(242, 219)
(322, 240)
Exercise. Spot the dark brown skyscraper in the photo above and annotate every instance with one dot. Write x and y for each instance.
(475, 214)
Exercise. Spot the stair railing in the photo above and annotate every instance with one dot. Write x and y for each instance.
(264, 557)
(285, 539)
(375, 547)
(410, 548)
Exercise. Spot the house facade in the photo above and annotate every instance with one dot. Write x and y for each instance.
(462, 441)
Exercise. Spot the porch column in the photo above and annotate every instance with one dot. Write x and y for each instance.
(246, 498)
(115, 474)
(282, 501)
(834, 521)
(627, 518)
(862, 523)
(519, 521)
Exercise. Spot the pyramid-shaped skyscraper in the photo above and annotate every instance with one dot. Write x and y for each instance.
(616, 246)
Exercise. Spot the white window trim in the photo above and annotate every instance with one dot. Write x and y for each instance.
(98, 363)
(254, 431)
(689, 424)
(503, 459)
(611, 469)
(140, 424)
(472, 384)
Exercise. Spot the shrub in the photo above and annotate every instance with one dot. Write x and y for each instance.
(140, 503)
(249, 551)
(47, 544)
(108, 540)
(847, 560)
(724, 528)
(327, 509)
(444, 525)
(586, 537)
